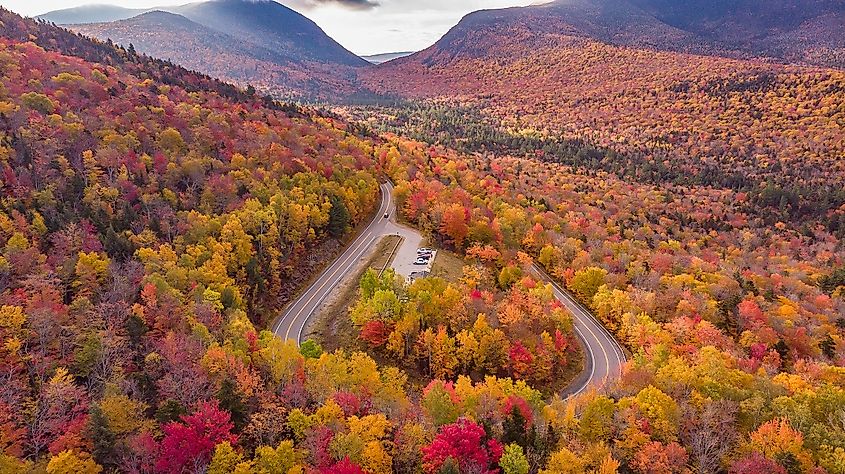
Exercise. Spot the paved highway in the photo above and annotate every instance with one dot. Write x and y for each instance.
(295, 317)
(603, 355)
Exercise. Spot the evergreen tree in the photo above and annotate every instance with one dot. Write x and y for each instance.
(230, 400)
(338, 217)
(102, 437)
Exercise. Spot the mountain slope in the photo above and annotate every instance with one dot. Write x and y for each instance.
(658, 115)
(261, 43)
(803, 30)
(176, 38)
(605, 20)
(90, 14)
(270, 25)
(810, 31)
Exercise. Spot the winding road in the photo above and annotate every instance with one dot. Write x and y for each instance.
(603, 356)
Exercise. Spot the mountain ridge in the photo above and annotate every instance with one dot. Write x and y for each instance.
(264, 44)
(93, 13)
(750, 29)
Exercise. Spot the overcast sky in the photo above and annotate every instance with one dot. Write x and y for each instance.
(362, 26)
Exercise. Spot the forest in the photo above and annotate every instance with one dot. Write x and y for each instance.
(650, 116)
(153, 220)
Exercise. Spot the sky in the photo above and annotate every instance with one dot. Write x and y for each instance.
(362, 26)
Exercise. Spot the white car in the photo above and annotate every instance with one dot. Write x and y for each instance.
(424, 250)
(421, 261)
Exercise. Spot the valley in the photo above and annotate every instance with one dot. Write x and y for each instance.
(622, 221)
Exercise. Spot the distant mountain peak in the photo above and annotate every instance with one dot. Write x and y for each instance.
(806, 31)
(257, 42)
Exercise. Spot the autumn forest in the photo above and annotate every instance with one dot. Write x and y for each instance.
(156, 221)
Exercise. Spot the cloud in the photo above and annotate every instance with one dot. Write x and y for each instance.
(351, 4)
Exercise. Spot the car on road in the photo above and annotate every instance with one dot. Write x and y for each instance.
(386, 215)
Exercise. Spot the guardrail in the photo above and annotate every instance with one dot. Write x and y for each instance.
(391, 255)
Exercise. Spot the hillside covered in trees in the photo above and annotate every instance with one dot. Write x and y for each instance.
(653, 116)
(261, 43)
(151, 217)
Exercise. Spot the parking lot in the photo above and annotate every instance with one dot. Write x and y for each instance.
(422, 264)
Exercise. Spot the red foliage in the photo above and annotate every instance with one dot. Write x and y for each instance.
(375, 332)
(756, 463)
(140, 454)
(659, 458)
(463, 442)
(518, 403)
(317, 444)
(11, 435)
(350, 403)
(192, 442)
(750, 313)
(521, 360)
(343, 467)
(73, 437)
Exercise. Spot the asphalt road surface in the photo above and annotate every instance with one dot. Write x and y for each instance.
(296, 316)
(603, 355)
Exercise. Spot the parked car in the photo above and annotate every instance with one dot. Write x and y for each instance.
(421, 261)
(424, 250)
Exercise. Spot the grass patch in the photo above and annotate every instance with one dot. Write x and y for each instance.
(448, 265)
(333, 329)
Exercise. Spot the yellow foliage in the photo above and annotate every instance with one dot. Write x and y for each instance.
(12, 317)
(565, 461)
(125, 415)
(69, 462)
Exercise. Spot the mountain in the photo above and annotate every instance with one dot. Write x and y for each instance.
(270, 25)
(195, 46)
(385, 57)
(810, 31)
(613, 75)
(261, 43)
(90, 14)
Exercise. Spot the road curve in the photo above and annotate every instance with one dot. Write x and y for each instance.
(603, 356)
(296, 315)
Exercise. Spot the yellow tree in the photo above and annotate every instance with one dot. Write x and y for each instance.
(71, 462)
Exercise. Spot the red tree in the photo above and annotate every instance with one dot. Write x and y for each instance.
(190, 443)
(375, 333)
(343, 467)
(521, 360)
(755, 463)
(462, 442)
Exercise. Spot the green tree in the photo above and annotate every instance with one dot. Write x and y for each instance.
(311, 349)
(513, 460)
(338, 217)
(231, 400)
(102, 436)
